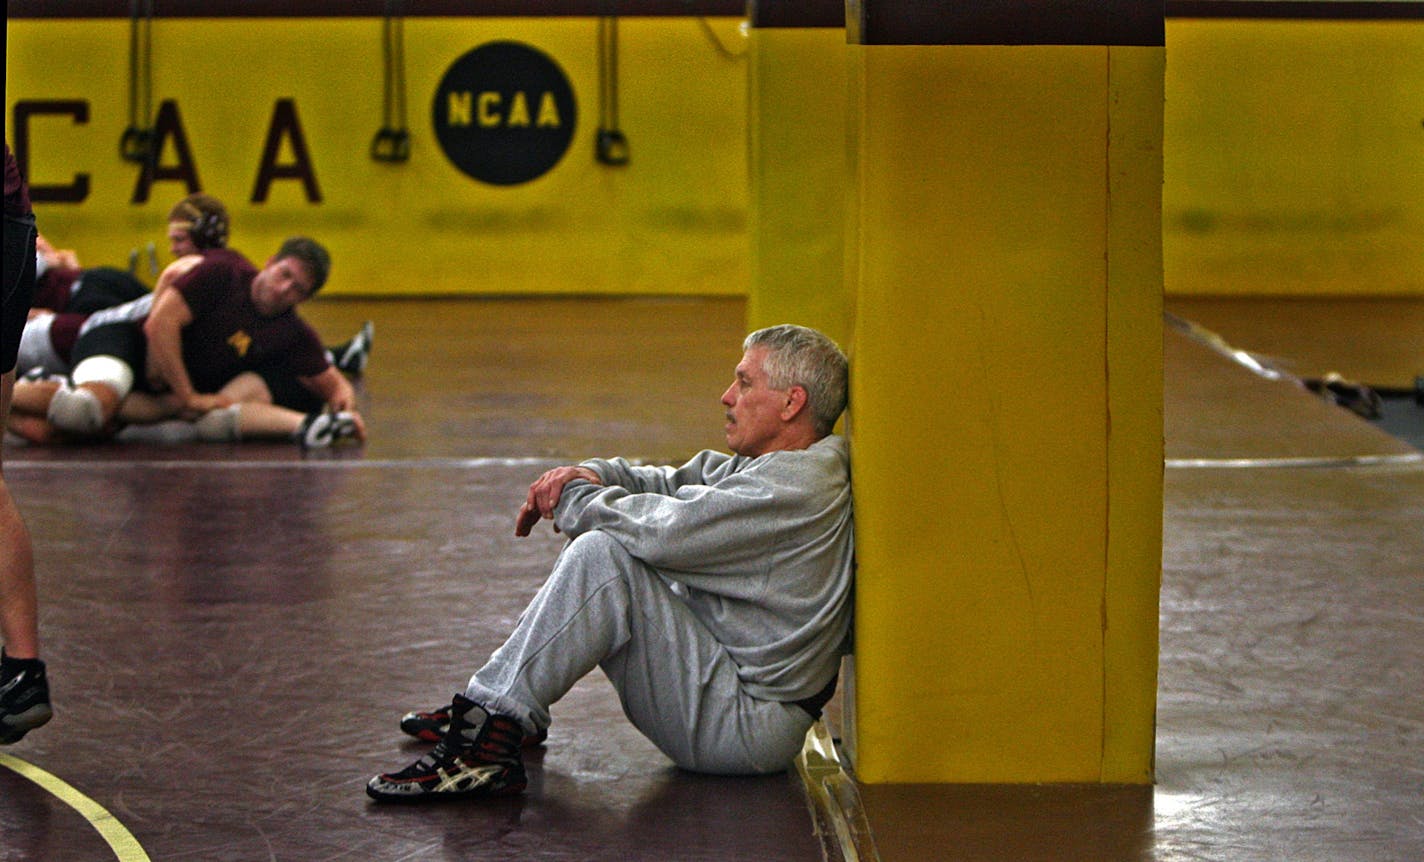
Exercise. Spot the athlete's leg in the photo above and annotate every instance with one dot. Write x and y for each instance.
(253, 416)
(603, 607)
(145, 408)
(89, 407)
(18, 618)
(272, 404)
(247, 388)
(19, 626)
(104, 361)
(32, 397)
(29, 404)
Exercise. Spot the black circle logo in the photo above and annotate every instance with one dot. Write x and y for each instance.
(504, 113)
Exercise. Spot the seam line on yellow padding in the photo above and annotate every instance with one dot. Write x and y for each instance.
(836, 810)
(126, 848)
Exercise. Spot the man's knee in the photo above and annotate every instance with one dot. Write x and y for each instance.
(247, 386)
(596, 546)
(107, 370)
(82, 409)
(594, 560)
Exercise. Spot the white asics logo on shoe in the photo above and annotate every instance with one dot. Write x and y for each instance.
(464, 778)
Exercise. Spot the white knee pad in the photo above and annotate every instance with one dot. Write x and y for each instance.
(77, 411)
(108, 370)
(218, 426)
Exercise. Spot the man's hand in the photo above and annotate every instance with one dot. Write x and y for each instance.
(56, 258)
(544, 496)
(356, 418)
(344, 401)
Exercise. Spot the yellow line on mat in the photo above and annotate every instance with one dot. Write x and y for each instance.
(124, 845)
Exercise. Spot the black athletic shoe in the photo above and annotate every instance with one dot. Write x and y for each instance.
(354, 354)
(478, 757)
(427, 725)
(24, 701)
(430, 726)
(327, 428)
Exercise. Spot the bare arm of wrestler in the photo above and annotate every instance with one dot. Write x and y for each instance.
(172, 271)
(332, 387)
(141, 408)
(164, 330)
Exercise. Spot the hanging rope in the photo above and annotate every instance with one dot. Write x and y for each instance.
(136, 143)
(611, 147)
(718, 44)
(392, 141)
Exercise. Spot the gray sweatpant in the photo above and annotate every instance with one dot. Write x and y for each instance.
(602, 607)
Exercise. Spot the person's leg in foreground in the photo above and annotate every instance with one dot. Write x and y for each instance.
(24, 691)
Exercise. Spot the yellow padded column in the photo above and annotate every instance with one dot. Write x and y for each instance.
(1006, 391)
(797, 111)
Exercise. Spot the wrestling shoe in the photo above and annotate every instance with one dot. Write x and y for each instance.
(319, 430)
(427, 725)
(24, 698)
(351, 358)
(430, 726)
(478, 757)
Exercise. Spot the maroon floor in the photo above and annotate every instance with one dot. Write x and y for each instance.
(234, 630)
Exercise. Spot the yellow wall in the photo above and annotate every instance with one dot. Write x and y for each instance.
(1292, 153)
(1294, 157)
(672, 221)
(797, 140)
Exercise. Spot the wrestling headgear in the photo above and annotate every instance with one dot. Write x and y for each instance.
(206, 220)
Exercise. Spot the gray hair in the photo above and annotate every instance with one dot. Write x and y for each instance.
(800, 356)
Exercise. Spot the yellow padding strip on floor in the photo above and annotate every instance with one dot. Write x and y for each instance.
(126, 848)
(835, 804)
(1405, 459)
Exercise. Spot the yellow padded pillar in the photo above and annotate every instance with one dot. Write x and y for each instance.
(1006, 425)
(797, 111)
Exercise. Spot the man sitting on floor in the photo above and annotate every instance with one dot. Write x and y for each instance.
(716, 596)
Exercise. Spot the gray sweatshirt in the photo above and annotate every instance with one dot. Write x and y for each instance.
(761, 549)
